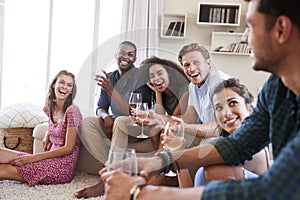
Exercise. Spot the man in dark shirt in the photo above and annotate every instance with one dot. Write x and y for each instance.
(96, 132)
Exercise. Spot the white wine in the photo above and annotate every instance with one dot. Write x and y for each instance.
(172, 143)
(131, 107)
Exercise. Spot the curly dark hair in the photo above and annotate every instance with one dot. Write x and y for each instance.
(175, 71)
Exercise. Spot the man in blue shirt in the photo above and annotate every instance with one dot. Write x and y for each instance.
(274, 36)
(96, 132)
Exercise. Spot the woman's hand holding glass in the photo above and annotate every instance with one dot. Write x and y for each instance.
(135, 99)
(173, 138)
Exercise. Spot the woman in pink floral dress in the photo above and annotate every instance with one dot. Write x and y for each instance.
(61, 144)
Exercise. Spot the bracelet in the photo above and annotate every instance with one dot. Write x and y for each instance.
(167, 160)
(135, 191)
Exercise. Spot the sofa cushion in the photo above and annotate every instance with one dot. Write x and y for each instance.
(22, 115)
(40, 130)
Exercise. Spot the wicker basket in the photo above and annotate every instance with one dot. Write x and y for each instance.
(19, 139)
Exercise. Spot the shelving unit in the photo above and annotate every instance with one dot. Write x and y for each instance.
(173, 26)
(221, 14)
(230, 42)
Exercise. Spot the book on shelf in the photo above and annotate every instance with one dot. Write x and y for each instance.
(223, 12)
(182, 29)
(176, 31)
(205, 14)
(232, 15)
(170, 29)
(219, 14)
(236, 17)
(239, 47)
(227, 15)
(210, 17)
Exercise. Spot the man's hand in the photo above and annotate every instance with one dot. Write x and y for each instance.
(118, 184)
(108, 124)
(146, 166)
(104, 82)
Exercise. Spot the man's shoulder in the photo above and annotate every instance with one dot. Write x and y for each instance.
(216, 77)
(274, 85)
(220, 74)
(113, 73)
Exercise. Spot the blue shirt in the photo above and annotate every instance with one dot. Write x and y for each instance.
(124, 85)
(199, 97)
(275, 119)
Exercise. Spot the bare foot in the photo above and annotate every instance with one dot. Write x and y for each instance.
(92, 191)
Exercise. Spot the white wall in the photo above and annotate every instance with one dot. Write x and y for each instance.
(236, 66)
(1, 40)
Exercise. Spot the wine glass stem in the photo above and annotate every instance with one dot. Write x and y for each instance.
(142, 127)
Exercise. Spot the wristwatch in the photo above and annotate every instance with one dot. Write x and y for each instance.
(135, 191)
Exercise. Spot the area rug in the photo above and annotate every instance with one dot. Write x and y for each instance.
(13, 190)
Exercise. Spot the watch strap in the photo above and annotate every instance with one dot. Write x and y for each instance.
(135, 191)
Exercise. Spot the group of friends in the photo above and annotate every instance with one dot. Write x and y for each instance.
(234, 164)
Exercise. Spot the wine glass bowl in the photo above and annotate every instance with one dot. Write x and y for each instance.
(173, 140)
(124, 160)
(174, 137)
(134, 100)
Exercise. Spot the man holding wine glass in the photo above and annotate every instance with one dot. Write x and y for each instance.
(96, 132)
(170, 95)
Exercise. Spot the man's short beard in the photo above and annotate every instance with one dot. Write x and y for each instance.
(126, 70)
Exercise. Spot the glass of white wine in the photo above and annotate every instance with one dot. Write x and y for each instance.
(124, 160)
(173, 139)
(134, 101)
(142, 112)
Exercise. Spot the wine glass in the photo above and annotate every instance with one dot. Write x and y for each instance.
(97, 87)
(153, 102)
(134, 100)
(124, 160)
(173, 139)
(142, 114)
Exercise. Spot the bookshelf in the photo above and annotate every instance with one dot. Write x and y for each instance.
(220, 14)
(230, 42)
(173, 26)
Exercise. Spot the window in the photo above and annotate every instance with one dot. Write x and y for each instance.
(24, 63)
(44, 37)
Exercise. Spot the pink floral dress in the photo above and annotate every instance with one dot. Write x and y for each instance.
(55, 170)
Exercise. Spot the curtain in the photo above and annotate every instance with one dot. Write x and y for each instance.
(140, 24)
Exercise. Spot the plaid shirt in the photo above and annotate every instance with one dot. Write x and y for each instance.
(275, 119)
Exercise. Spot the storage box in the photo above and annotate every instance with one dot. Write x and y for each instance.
(19, 139)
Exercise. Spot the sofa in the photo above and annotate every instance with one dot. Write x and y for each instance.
(85, 163)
